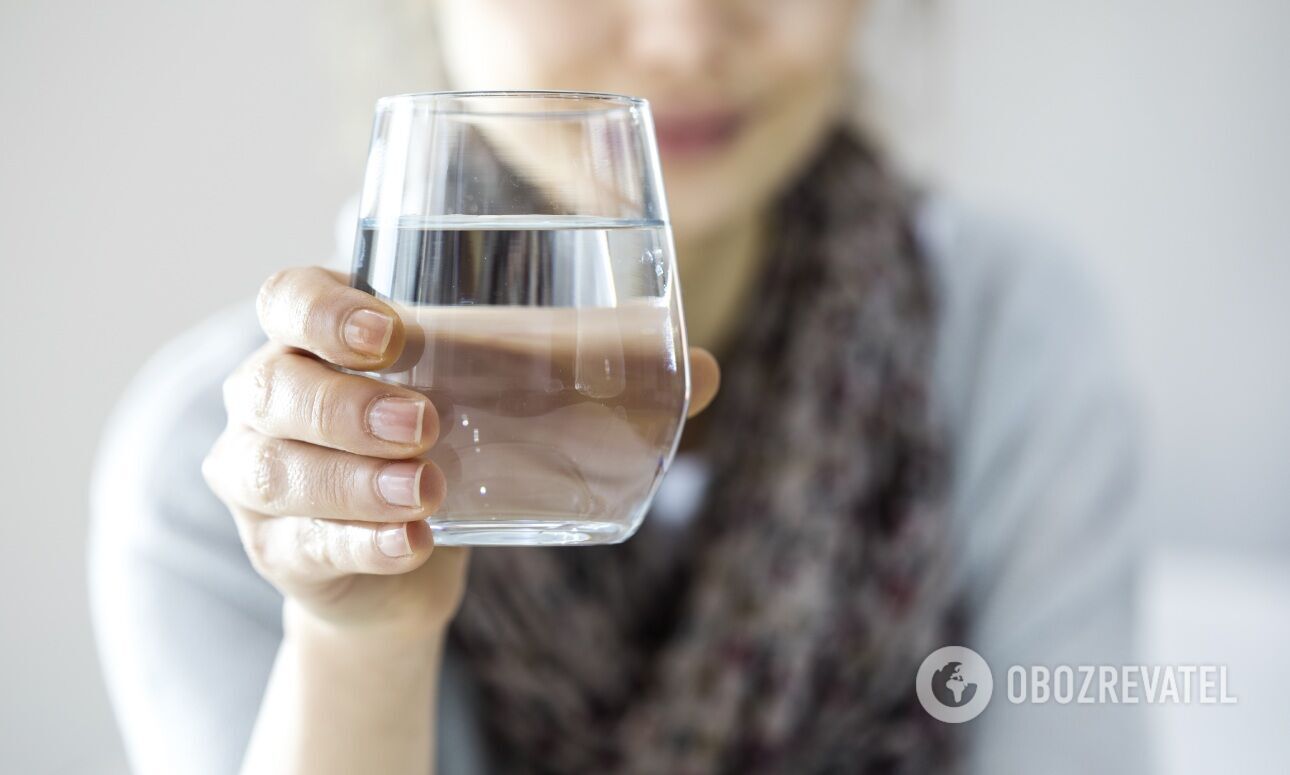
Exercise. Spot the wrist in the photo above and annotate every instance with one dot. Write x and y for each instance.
(346, 698)
(302, 625)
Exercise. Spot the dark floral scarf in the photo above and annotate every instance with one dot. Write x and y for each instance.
(783, 633)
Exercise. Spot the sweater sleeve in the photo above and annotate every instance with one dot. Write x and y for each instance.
(1046, 440)
(187, 631)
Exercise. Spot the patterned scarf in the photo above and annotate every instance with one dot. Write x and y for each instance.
(783, 633)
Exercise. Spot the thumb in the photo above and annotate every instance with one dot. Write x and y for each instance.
(705, 378)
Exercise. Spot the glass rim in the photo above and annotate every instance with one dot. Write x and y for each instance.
(448, 102)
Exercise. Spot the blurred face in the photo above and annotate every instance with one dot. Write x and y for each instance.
(742, 90)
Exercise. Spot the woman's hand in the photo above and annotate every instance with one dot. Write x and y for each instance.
(323, 474)
(321, 470)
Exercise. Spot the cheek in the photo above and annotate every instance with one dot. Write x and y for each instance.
(801, 68)
(808, 45)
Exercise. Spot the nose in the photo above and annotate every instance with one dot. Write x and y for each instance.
(677, 38)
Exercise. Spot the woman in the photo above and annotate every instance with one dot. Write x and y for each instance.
(920, 440)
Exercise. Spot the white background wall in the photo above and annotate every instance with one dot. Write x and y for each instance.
(158, 158)
(1154, 137)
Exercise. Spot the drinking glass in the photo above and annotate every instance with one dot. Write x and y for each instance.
(523, 239)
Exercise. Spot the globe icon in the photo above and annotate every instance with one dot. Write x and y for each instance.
(950, 686)
(954, 684)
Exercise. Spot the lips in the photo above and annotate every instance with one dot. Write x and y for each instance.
(689, 134)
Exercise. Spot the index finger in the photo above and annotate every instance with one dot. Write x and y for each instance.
(315, 310)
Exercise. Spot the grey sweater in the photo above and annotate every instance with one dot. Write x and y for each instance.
(1044, 448)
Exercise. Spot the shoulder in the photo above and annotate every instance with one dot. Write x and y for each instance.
(1045, 444)
(147, 470)
(1042, 424)
(1019, 315)
(178, 610)
(177, 391)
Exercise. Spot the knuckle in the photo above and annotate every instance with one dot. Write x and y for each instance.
(350, 550)
(325, 406)
(264, 379)
(267, 475)
(269, 291)
(255, 543)
(314, 542)
(324, 313)
(334, 478)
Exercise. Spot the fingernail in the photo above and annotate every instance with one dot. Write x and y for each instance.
(368, 331)
(397, 419)
(400, 484)
(392, 540)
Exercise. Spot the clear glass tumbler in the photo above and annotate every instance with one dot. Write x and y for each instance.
(523, 238)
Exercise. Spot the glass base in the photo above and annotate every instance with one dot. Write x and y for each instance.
(527, 532)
